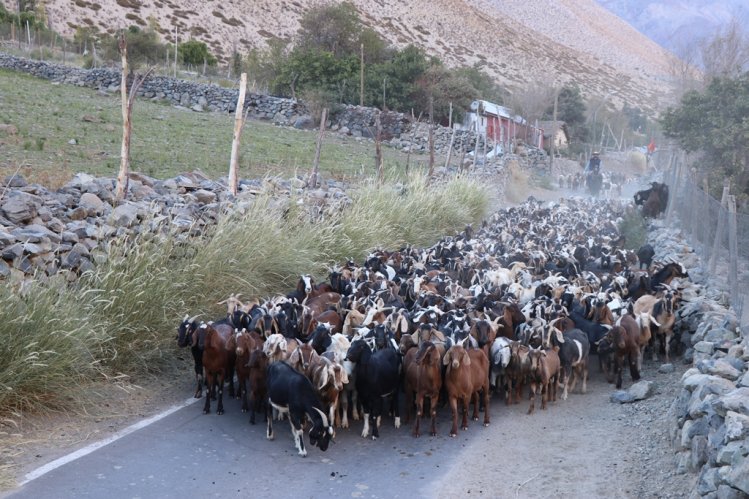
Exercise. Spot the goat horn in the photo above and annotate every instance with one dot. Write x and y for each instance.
(323, 416)
(192, 319)
(185, 317)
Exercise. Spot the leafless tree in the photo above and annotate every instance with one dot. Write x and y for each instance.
(726, 54)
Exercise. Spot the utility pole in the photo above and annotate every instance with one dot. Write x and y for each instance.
(361, 75)
(552, 147)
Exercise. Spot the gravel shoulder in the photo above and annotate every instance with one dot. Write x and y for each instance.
(585, 446)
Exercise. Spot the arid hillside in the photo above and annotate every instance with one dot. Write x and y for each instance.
(518, 42)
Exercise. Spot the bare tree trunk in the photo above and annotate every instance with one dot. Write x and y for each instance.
(123, 176)
(316, 164)
(378, 150)
(450, 150)
(361, 76)
(431, 135)
(238, 125)
(128, 99)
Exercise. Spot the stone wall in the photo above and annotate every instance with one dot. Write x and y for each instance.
(710, 431)
(397, 128)
(66, 231)
(351, 120)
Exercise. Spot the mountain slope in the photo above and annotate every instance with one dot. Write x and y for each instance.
(675, 23)
(518, 42)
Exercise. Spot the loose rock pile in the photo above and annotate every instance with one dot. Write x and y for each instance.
(46, 232)
(711, 414)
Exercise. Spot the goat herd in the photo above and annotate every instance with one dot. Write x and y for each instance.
(522, 301)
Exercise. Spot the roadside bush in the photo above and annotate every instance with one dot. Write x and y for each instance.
(634, 228)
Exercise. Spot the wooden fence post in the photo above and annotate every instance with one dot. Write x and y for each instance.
(378, 150)
(431, 135)
(316, 164)
(733, 254)
(450, 150)
(238, 125)
(675, 194)
(719, 232)
(707, 223)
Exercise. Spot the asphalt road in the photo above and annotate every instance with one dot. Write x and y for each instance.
(189, 454)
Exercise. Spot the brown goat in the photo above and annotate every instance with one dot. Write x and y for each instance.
(624, 341)
(424, 379)
(467, 374)
(258, 366)
(544, 374)
(661, 313)
(216, 362)
(517, 371)
(652, 207)
(244, 343)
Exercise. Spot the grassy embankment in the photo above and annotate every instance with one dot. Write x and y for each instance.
(119, 321)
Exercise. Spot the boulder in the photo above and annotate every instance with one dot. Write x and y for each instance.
(6, 238)
(732, 450)
(622, 397)
(20, 208)
(725, 370)
(204, 196)
(736, 401)
(92, 203)
(36, 233)
(737, 426)
(641, 390)
(726, 492)
(666, 368)
(708, 481)
(704, 347)
(125, 215)
(738, 475)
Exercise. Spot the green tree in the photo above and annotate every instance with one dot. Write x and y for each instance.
(143, 47)
(265, 66)
(715, 122)
(195, 52)
(330, 28)
(445, 86)
(399, 74)
(571, 110)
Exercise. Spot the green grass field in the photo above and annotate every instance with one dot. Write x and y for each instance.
(165, 140)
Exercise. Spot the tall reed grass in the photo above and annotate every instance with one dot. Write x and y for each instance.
(120, 318)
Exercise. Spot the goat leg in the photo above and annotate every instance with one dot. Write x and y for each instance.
(454, 409)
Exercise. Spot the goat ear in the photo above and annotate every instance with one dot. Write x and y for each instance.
(652, 319)
(446, 359)
(294, 357)
(465, 359)
(323, 378)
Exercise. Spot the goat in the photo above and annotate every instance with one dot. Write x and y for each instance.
(574, 349)
(500, 359)
(466, 375)
(186, 336)
(377, 376)
(216, 360)
(423, 377)
(517, 370)
(543, 374)
(244, 343)
(290, 392)
(661, 312)
(258, 366)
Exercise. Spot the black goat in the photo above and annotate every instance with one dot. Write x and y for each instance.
(574, 348)
(290, 392)
(377, 377)
(186, 336)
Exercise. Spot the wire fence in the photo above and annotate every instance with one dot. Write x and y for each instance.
(717, 231)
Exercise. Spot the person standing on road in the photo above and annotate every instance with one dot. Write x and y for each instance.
(594, 163)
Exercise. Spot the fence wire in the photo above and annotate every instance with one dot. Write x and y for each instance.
(717, 232)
